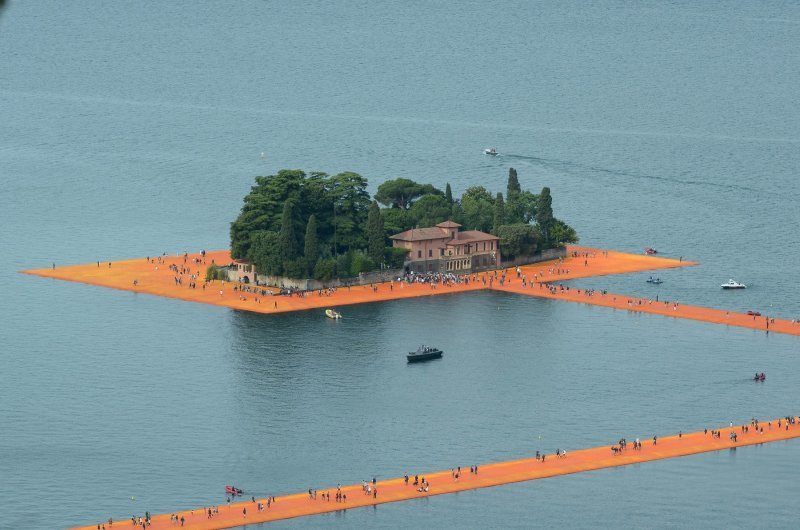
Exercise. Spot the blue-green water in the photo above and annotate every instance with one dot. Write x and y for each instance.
(132, 129)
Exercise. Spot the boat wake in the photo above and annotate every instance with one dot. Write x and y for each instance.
(570, 167)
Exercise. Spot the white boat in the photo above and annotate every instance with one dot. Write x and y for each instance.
(332, 313)
(490, 151)
(733, 284)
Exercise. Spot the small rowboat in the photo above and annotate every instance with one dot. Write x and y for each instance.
(233, 490)
(332, 313)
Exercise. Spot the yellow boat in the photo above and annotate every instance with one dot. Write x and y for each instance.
(332, 313)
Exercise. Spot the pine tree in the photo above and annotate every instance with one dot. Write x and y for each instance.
(499, 213)
(376, 236)
(311, 250)
(287, 240)
(448, 193)
(513, 183)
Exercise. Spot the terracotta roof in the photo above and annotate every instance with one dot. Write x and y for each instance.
(472, 236)
(421, 234)
(449, 224)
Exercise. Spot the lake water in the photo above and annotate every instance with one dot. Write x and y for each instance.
(133, 129)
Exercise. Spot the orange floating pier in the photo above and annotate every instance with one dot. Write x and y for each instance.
(157, 276)
(441, 482)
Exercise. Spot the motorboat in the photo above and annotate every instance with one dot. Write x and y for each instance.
(332, 313)
(759, 377)
(424, 353)
(233, 490)
(490, 151)
(650, 251)
(733, 284)
(655, 281)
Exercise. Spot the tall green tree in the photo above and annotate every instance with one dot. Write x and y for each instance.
(430, 210)
(262, 207)
(544, 214)
(350, 203)
(288, 247)
(521, 207)
(376, 237)
(448, 193)
(517, 240)
(402, 192)
(478, 206)
(499, 213)
(561, 233)
(457, 212)
(311, 249)
(396, 220)
(264, 253)
(513, 183)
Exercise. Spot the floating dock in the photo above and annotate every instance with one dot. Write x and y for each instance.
(442, 482)
(157, 276)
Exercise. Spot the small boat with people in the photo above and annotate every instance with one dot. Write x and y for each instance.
(424, 353)
(759, 377)
(733, 284)
(332, 313)
(492, 151)
(650, 251)
(655, 281)
(233, 490)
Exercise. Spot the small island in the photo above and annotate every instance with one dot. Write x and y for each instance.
(327, 230)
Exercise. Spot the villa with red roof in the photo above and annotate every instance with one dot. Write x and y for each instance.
(443, 248)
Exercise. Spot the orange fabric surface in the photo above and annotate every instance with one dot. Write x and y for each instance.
(158, 279)
(441, 482)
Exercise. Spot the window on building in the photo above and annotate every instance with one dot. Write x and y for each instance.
(419, 253)
(441, 252)
(430, 253)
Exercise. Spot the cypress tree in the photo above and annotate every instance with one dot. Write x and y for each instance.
(287, 240)
(499, 213)
(513, 183)
(544, 214)
(448, 193)
(376, 237)
(311, 250)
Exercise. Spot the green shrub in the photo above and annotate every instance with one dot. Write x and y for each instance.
(324, 269)
(395, 256)
(361, 263)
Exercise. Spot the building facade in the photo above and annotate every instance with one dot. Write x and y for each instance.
(444, 248)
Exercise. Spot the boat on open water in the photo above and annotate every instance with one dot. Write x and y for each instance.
(332, 313)
(733, 284)
(424, 353)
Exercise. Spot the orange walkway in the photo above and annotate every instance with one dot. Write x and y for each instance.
(597, 264)
(441, 482)
(158, 279)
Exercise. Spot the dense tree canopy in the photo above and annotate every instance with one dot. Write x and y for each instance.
(311, 248)
(296, 225)
(375, 233)
(478, 206)
(401, 192)
(517, 240)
